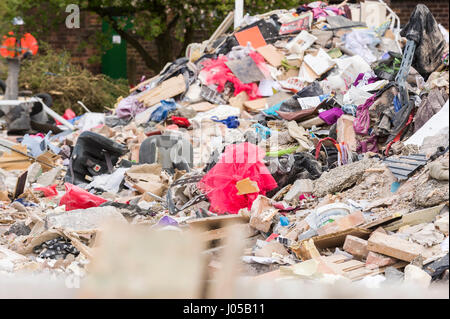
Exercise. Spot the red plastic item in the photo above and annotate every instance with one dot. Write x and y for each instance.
(77, 198)
(49, 191)
(68, 115)
(27, 43)
(239, 161)
(181, 121)
(272, 237)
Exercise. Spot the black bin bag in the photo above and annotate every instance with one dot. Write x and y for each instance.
(423, 29)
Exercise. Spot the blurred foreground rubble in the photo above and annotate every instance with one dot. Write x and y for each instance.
(280, 160)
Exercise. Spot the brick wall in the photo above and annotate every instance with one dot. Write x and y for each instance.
(73, 41)
(137, 63)
(404, 8)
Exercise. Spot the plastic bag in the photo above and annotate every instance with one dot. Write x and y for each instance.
(77, 198)
(239, 161)
(160, 114)
(49, 191)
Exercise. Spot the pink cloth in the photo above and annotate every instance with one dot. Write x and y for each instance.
(361, 124)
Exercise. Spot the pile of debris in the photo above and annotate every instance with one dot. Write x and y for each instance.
(319, 135)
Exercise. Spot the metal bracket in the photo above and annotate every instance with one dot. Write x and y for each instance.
(400, 79)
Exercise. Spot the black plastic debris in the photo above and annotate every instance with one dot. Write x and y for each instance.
(405, 166)
(437, 268)
(57, 248)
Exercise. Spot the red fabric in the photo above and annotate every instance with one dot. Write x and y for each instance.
(49, 191)
(77, 198)
(239, 161)
(399, 135)
(216, 72)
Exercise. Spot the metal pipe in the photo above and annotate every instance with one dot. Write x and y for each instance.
(238, 13)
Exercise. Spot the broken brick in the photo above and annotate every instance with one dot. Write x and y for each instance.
(356, 246)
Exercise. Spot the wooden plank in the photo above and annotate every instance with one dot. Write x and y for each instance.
(20, 185)
(418, 217)
(216, 221)
(383, 220)
(142, 84)
(337, 239)
(165, 90)
(360, 273)
(394, 247)
(350, 265)
(221, 233)
(336, 258)
(271, 275)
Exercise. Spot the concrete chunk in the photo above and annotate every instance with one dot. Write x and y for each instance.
(85, 219)
(416, 276)
(300, 186)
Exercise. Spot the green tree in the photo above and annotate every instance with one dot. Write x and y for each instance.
(170, 24)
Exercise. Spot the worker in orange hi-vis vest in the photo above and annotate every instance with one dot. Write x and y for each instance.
(14, 51)
(14, 47)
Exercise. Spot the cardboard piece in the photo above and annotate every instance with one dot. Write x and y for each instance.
(146, 178)
(11, 160)
(262, 213)
(238, 100)
(256, 105)
(247, 186)
(252, 35)
(202, 106)
(271, 55)
(306, 250)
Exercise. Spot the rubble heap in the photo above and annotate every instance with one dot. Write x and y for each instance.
(309, 130)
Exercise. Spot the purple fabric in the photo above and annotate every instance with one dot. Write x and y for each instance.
(361, 76)
(331, 116)
(367, 145)
(128, 107)
(361, 124)
(167, 221)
